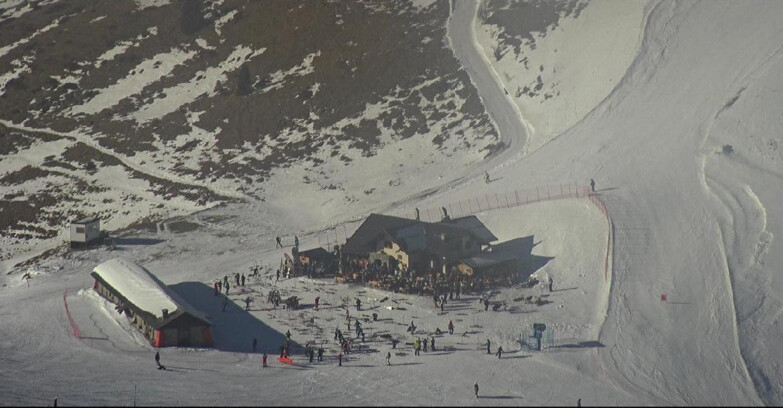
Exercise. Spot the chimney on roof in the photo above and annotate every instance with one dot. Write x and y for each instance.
(165, 313)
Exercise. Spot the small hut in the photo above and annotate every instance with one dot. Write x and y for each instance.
(85, 231)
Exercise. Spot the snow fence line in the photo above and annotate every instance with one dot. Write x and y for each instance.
(74, 326)
(487, 202)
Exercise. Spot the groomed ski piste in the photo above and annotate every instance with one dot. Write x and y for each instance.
(674, 299)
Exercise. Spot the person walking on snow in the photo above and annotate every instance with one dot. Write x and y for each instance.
(486, 177)
(500, 351)
(279, 244)
(475, 389)
(317, 299)
(451, 327)
(157, 361)
(296, 241)
(243, 280)
(488, 350)
(592, 185)
(263, 361)
(388, 358)
(227, 287)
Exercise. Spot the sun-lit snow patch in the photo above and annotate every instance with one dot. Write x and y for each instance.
(204, 44)
(146, 73)
(219, 23)
(192, 159)
(203, 83)
(277, 78)
(8, 48)
(422, 3)
(314, 88)
(11, 9)
(566, 71)
(123, 46)
(20, 66)
(142, 4)
(96, 19)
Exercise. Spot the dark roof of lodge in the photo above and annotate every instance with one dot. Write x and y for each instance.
(472, 223)
(486, 259)
(362, 240)
(317, 253)
(409, 233)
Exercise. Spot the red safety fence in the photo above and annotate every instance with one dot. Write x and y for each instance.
(74, 326)
(494, 201)
(609, 236)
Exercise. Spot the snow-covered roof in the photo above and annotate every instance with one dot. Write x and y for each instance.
(140, 287)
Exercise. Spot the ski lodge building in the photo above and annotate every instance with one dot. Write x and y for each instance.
(160, 314)
(461, 244)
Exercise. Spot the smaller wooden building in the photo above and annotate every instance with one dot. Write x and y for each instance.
(160, 314)
(85, 230)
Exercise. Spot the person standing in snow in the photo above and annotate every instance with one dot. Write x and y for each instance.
(243, 280)
(451, 327)
(263, 360)
(157, 361)
(425, 344)
(296, 241)
(417, 215)
(488, 350)
(340, 359)
(388, 358)
(288, 335)
(227, 287)
(416, 347)
(219, 285)
(432, 344)
(358, 304)
(394, 343)
(278, 275)
(592, 185)
(500, 351)
(279, 244)
(236, 278)
(216, 288)
(475, 389)
(320, 354)
(486, 304)
(486, 177)
(550, 283)
(317, 299)
(248, 300)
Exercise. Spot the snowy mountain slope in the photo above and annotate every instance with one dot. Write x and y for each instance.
(227, 101)
(649, 143)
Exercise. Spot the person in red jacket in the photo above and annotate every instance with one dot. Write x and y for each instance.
(340, 359)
